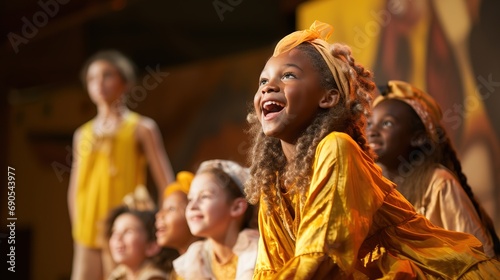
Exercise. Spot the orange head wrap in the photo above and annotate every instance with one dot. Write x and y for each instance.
(318, 34)
(422, 103)
(182, 183)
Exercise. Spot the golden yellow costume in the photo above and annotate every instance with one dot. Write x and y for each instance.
(110, 166)
(353, 224)
(445, 204)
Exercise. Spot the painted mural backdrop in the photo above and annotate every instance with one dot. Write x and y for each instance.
(450, 48)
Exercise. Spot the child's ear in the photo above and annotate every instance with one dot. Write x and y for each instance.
(152, 249)
(419, 139)
(238, 207)
(329, 99)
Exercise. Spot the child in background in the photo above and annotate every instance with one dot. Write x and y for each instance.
(172, 229)
(218, 211)
(415, 151)
(133, 247)
(110, 153)
(326, 211)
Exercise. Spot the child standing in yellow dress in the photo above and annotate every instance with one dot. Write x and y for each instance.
(110, 153)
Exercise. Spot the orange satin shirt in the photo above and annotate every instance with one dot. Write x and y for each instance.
(353, 223)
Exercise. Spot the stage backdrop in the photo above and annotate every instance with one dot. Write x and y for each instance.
(448, 48)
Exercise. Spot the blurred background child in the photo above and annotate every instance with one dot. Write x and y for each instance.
(133, 246)
(414, 151)
(172, 229)
(110, 153)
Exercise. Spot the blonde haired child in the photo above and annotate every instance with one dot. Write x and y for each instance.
(219, 212)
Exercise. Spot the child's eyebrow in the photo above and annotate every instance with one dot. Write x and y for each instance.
(293, 65)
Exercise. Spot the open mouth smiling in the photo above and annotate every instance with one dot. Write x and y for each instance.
(270, 106)
(375, 145)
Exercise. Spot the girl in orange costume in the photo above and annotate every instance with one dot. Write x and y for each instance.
(416, 153)
(326, 211)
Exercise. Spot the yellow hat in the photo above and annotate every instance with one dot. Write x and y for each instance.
(422, 103)
(182, 183)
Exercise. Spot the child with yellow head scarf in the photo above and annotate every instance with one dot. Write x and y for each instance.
(171, 226)
(326, 211)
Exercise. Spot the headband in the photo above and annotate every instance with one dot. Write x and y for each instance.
(237, 173)
(317, 35)
(421, 102)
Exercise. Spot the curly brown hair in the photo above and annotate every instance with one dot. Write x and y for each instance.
(269, 168)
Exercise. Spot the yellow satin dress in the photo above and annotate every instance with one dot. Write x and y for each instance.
(353, 224)
(110, 166)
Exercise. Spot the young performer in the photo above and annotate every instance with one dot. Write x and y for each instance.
(219, 212)
(326, 211)
(133, 247)
(172, 229)
(110, 153)
(414, 151)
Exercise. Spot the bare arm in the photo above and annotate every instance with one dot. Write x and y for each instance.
(151, 141)
(73, 179)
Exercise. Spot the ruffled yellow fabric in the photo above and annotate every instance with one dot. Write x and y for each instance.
(422, 103)
(109, 168)
(318, 34)
(317, 30)
(355, 225)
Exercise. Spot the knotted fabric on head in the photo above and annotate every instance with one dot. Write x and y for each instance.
(238, 173)
(317, 35)
(182, 183)
(421, 102)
